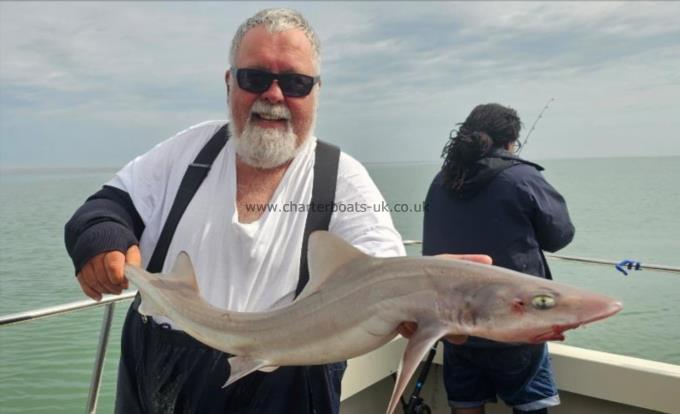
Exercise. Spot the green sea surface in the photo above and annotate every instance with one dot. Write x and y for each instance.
(623, 208)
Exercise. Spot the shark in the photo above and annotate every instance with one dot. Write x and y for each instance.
(353, 304)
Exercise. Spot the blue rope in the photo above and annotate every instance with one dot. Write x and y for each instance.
(629, 264)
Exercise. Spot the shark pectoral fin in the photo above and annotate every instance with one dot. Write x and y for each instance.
(240, 366)
(419, 344)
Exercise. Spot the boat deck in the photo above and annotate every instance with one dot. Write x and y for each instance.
(590, 382)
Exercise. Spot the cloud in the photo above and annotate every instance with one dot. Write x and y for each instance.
(398, 70)
(470, 42)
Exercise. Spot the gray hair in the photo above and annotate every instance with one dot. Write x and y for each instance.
(276, 21)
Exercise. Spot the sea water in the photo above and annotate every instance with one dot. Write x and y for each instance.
(624, 208)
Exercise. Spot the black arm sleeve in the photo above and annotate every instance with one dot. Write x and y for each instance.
(553, 226)
(107, 221)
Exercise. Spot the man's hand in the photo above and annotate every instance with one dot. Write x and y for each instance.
(407, 329)
(479, 258)
(104, 273)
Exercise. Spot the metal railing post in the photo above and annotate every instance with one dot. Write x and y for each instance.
(96, 380)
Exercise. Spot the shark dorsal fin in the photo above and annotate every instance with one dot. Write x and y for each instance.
(325, 254)
(183, 271)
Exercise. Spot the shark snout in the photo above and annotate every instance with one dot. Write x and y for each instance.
(604, 309)
(590, 311)
(595, 307)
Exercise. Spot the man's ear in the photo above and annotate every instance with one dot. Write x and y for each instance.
(227, 77)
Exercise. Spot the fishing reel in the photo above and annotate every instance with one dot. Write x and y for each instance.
(417, 407)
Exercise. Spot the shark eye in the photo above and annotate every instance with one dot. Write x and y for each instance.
(543, 302)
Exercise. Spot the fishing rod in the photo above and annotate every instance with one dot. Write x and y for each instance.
(533, 126)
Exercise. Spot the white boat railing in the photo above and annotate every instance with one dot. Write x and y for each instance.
(109, 302)
(588, 260)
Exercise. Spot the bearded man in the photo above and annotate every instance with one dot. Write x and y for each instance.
(219, 192)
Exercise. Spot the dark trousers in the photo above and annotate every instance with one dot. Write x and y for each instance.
(167, 371)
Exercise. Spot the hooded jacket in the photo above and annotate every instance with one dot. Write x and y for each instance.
(505, 209)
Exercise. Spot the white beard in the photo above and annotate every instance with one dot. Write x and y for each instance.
(266, 148)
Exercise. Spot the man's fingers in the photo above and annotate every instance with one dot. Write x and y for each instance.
(82, 280)
(456, 339)
(90, 292)
(91, 276)
(105, 273)
(134, 256)
(407, 329)
(479, 258)
(114, 266)
(101, 276)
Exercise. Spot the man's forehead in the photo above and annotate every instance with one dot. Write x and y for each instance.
(284, 51)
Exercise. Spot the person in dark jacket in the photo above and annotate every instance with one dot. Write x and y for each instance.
(487, 200)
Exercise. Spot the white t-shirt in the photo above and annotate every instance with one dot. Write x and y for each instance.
(254, 266)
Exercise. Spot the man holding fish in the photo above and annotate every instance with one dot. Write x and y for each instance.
(213, 191)
(247, 258)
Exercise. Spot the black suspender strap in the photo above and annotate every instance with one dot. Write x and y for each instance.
(193, 177)
(318, 377)
(320, 210)
(319, 214)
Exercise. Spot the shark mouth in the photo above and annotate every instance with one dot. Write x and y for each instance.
(556, 332)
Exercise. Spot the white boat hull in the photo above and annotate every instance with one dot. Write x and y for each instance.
(590, 382)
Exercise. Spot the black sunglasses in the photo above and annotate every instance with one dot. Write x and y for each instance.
(291, 84)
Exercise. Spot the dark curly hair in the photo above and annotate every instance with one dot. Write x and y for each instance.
(488, 126)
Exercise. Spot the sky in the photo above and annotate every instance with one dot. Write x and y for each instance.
(89, 84)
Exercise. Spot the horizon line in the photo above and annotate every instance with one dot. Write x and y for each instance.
(62, 167)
